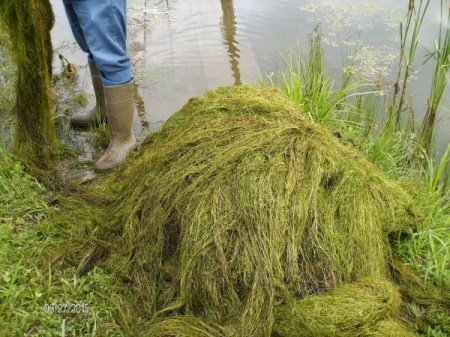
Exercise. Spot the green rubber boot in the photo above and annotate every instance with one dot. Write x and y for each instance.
(86, 118)
(119, 113)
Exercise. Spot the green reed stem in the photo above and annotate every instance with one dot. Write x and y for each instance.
(414, 20)
(441, 55)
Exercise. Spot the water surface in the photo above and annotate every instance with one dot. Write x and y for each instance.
(183, 48)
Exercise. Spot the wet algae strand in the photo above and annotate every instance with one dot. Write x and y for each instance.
(27, 23)
(242, 218)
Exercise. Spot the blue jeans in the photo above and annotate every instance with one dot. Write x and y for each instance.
(100, 29)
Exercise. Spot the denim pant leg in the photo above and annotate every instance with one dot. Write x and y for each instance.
(76, 28)
(99, 27)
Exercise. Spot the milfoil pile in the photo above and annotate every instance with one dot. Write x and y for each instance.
(242, 218)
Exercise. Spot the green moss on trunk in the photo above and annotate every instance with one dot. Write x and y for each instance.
(28, 24)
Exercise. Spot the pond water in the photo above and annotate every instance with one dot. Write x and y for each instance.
(183, 48)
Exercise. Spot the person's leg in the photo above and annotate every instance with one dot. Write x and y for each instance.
(103, 27)
(98, 113)
(102, 24)
(85, 118)
(76, 28)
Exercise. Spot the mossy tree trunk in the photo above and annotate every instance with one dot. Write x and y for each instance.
(28, 24)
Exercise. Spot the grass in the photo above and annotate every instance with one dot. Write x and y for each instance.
(99, 133)
(28, 291)
(81, 100)
(305, 83)
(30, 284)
(427, 250)
(22, 197)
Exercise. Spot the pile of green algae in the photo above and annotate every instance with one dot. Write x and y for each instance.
(242, 218)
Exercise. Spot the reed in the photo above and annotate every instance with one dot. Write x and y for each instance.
(439, 78)
(409, 33)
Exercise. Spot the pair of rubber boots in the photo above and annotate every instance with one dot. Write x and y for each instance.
(115, 103)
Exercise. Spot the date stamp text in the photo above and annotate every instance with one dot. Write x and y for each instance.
(66, 308)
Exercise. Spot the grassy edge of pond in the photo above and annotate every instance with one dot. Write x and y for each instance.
(399, 149)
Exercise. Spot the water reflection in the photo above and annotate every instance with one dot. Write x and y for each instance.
(140, 106)
(229, 34)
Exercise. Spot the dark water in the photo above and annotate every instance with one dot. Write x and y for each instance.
(183, 48)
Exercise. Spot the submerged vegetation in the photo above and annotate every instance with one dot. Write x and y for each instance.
(244, 216)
